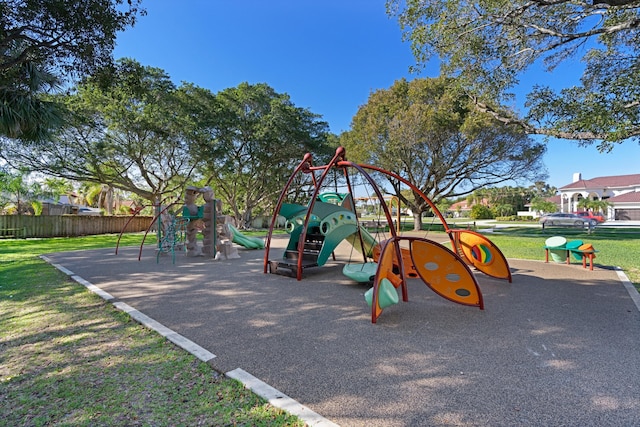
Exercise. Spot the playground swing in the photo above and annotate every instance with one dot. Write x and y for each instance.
(364, 272)
(358, 272)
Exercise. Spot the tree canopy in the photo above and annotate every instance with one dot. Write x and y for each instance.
(15, 190)
(429, 133)
(132, 129)
(488, 44)
(257, 138)
(44, 43)
(132, 134)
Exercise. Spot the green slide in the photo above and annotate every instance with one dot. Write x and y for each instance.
(246, 241)
(367, 239)
(338, 224)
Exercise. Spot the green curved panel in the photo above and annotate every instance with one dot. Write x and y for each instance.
(289, 210)
(330, 196)
(333, 239)
(322, 209)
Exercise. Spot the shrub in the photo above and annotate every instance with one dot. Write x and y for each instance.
(480, 212)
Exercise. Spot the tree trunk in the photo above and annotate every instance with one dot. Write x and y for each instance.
(246, 218)
(417, 221)
(109, 200)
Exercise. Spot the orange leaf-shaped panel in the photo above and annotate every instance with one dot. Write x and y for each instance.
(481, 253)
(445, 273)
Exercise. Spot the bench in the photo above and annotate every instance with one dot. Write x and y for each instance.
(15, 233)
(374, 224)
(576, 248)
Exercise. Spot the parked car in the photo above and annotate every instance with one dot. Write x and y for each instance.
(89, 211)
(566, 219)
(590, 215)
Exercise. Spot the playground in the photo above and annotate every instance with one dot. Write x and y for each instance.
(317, 228)
(558, 346)
(487, 341)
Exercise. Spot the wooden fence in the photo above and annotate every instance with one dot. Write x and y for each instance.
(24, 226)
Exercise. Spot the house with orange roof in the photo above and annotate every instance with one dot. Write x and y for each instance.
(621, 191)
(463, 208)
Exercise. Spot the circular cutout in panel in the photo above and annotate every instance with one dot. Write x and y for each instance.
(463, 292)
(431, 266)
(482, 254)
(453, 277)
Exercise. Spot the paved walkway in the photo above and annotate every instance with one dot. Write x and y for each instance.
(558, 346)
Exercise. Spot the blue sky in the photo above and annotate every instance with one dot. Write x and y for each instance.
(328, 56)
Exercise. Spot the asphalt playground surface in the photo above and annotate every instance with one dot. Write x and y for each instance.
(560, 346)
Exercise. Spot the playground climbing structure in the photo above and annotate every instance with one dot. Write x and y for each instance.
(178, 232)
(328, 219)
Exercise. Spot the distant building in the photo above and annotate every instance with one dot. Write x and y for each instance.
(621, 191)
(463, 208)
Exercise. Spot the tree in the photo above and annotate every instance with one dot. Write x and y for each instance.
(503, 201)
(480, 212)
(594, 205)
(133, 134)
(56, 187)
(488, 44)
(24, 113)
(477, 197)
(599, 205)
(539, 204)
(97, 196)
(507, 200)
(541, 189)
(503, 209)
(43, 43)
(430, 134)
(257, 137)
(16, 190)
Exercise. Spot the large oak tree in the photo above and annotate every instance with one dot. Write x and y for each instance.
(429, 133)
(134, 134)
(257, 137)
(488, 44)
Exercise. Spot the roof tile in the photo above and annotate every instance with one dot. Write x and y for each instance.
(605, 182)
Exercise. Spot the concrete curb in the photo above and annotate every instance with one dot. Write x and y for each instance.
(633, 293)
(262, 389)
(278, 399)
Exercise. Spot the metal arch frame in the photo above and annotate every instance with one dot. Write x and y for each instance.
(339, 161)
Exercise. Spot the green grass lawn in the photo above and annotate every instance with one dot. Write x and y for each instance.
(69, 358)
(616, 246)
